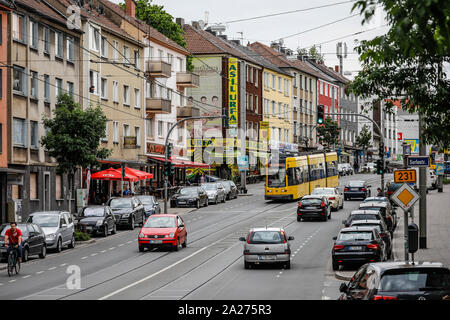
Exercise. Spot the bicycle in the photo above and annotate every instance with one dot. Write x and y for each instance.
(13, 262)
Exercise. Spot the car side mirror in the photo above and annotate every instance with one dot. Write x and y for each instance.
(291, 238)
(64, 225)
(181, 226)
(335, 238)
(343, 287)
(241, 239)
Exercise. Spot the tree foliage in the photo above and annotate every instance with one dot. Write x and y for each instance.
(73, 135)
(364, 138)
(328, 132)
(312, 53)
(405, 64)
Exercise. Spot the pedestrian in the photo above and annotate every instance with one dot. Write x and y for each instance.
(356, 167)
(202, 178)
(380, 193)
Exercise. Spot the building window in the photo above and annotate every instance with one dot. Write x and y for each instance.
(104, 88)
(115, 91)
(46, 88)
(46, 40)
(33, 186)
(256, 104)
(279, 109)
(310, 84)
(59, 45)
(34, 137)
(20, 80)
(58, 87)
(70, 88)
(126, 95)
(136, 59)
(295, 80)
(301, 81)
(19, 30)
(137, 98)
(105, 137)
(279, 84)
(126, 55)
(149, 128)
(70, 49)
(116, 132)
(115, 51)
(180, 132)
(126, 130)
(274, 82)
(34, 43)
(95, 39)
(20, 132)
(104, 48)
(137, 132)
(34, 85)
(273, 108)
(94, 82)
(58, 191)
(160, 129)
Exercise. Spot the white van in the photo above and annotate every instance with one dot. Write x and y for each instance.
(431, 179)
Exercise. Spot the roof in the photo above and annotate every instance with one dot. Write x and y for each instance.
(349, 229)
(313, 196)
(375, 199)
(144, 27)
(329, 72)
(381, 267)
(275, 57)
(366, 222)
(363, 212)
(374, 204)
(303, 66)
(267, 229)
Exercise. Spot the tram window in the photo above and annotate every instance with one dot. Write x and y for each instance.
(276, 178)
(305, 175)
(293, 176)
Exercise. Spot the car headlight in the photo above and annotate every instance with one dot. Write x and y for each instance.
(51, 236)
(99, 223)
(141, 235)
(170, 235)
(126, 215)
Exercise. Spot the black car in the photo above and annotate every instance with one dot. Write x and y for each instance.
(33, 241)
(384, 208)
(188, 197)
(151, 206)
(356, 189)
(389, 207)
(391, 187)
(382, 230)
(398, 281)
(230, 189)
(313, 207)
(128, 211)
(97, 220)
(357, 245)
(362, 215)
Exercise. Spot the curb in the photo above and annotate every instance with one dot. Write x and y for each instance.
(84, 242)
(245, 194)
(342, 277)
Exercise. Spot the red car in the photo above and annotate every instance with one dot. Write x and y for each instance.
(163, 230)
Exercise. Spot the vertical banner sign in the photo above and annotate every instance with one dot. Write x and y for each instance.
(232, 92)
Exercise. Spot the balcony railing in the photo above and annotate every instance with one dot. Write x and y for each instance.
(186, 112)
(188, 80)
(158, 69)
(158, 105)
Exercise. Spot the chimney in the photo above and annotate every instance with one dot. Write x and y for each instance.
(336, 68)
(180, 22)
(130, 8)
(276, 46)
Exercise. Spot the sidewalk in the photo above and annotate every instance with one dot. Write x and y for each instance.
(438, 229)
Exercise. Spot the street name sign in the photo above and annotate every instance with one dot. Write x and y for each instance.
(405, 197)
(405, 176)
(419, 161)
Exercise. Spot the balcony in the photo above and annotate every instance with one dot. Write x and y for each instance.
(186, 112)
(158, 105)
(188, 80)
(158, 69)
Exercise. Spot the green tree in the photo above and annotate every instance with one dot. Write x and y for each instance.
(312, 53)
(73, 136)
(405, 64)
(363, 139)
(328, 132)
(155, 16)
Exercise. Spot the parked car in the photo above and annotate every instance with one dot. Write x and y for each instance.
(356, 189)
(398, 281)
(333, 195)
(216, 192)
(151, 205)
(97, 220)
(313, 207)
(267, 246)
(362, 215)
(386, 212)
(384, 200)
(348, 168)
(357, 245)
(128, 211)
(391, 187)
(341, 170)
(163, 230)
(58, 227)
(431, 179)
(33, 241)
(382, 230)
(188, 197)
(231, 190)
(369, 167)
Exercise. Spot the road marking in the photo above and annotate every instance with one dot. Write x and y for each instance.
(122, 244)
(103, 251)
(94, 254)
(129, 242)
(83, 258)
(62, 265)
(26, 277)
(112, 248)
(39, 272)
(11, 281)
(52, 268)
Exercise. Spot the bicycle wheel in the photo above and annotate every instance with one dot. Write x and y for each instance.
(17, 267)
(10, 264)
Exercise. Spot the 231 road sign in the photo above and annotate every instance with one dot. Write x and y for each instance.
(405, 176)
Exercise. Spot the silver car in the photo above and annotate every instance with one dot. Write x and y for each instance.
(58, 227)
(216, 192)
(267, 246)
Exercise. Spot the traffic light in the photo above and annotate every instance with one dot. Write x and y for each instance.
(225, 123)
(320, 114)
(167, 166)
(380, 168)
(381, 150)
(169, 150)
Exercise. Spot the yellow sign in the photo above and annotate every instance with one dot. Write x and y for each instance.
(232, 93)
(405, 176)
(405, 197)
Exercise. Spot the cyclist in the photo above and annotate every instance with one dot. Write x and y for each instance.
(13, 237)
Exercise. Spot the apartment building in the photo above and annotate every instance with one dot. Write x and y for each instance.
(44, 59)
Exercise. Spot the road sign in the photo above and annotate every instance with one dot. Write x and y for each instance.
(440, 169)
(405, 176)
(405, 197)
(243, 163)
(418, 161)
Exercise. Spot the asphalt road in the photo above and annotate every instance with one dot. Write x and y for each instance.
(211, 267)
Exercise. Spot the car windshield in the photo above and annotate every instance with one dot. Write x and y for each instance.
(376, 199)
(356, 184)
(266, 237)
(425, 279)
(160, 222)
(355, 236)
(45, 220)
(120, 203)
(323, 191)
(6, 227)
(364, 216)
(376, 226)
(187, 191)
(276, 177)
(209, 187)
(93, 212)
(146, 200)
(311, 202)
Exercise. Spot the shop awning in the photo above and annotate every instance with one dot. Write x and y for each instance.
(142, 175)
(113, 175)
(179, 163)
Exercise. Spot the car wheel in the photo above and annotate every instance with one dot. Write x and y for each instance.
(72, 243)
(198, 204)
(247, 265)
(141, 248)
(131, 226)
(184, 245)
(342, 205)
(299, 219)
(335, 266)
(105, 230)
(43, 252)
(287, 265)
(25, 255)
(59, 245)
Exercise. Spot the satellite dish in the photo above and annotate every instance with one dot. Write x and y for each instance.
(201, 24)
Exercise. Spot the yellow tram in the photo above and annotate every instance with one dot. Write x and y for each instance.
(292, 177)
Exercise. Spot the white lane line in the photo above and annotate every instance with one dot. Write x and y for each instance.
(11, 281)
(129, 242)
(1, 284)
(52, 268)
(94, 254)
(84, 258)
(122, 244)
(26, 277)
(112, 248)
(39, 272)
(62, 265)
(103, 251)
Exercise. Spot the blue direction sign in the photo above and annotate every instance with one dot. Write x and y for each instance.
(423, 161)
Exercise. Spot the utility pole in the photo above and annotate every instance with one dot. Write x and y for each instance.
(422, 190)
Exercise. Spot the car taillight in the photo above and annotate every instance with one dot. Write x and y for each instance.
(246, 252)
(332, 198)
(363, 189)
(287, 251)
(249, 237)
(389, 193)
(299, 204)
(372, 246)
(338, 247)
(322, 204)
(378, 297)
(345, 189)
